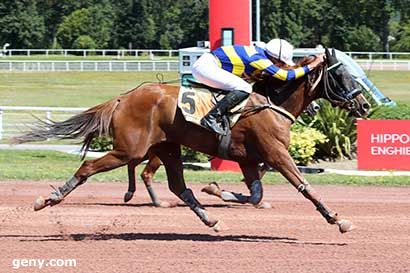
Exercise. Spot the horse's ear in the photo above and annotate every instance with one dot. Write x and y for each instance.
(327, 53)
(331, 58)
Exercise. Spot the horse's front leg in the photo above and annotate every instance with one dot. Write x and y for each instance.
(131, 181)
(170, 155)
(278, 157)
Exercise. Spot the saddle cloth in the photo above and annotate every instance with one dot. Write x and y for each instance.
(196, 102)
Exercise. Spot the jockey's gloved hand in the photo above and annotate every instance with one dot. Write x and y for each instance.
(319, 59)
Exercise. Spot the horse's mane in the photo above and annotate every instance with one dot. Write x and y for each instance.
(277, 90)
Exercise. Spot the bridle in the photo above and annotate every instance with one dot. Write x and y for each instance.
(330, 84)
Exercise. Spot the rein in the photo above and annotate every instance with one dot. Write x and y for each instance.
(269, 105)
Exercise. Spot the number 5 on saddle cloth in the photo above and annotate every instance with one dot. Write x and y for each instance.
(196, 102)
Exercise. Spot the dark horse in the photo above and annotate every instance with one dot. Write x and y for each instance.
(148, 119)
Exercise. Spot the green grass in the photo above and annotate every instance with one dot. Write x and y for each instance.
(393, 84)
(57, 166)
(69, 89)
(84, 89)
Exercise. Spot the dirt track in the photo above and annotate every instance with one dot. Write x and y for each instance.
(103, 235)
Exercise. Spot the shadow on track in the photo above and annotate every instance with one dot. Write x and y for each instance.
(151, 205)
(164, 237)
(147, 236)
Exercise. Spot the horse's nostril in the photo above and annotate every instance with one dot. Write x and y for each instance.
(366, 106)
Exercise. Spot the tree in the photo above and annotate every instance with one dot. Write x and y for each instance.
(194, 22)
(403, 39)
(95, 22)
(21, 25)
(362, 39)
(134, 27)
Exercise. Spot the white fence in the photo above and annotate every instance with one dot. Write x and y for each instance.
(395, 65)
(92, 52)
(378, 55)
(15, 119)
(119, 53)
(38, 66)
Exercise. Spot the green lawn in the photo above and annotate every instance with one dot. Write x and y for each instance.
(69, 89)
(84, 89)
(57, 166)
(393, 84)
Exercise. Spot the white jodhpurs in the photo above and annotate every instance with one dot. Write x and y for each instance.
(207, 71)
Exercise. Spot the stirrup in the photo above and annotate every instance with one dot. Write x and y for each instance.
(216, 127)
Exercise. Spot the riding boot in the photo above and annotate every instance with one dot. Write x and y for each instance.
(216, 120)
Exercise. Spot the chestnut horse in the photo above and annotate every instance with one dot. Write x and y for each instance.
(154, 162)
(148, 119)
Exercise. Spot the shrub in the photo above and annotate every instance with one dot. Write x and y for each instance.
(338, 127)
(189, 155)
(84, 42)
(303, 141)
(103, 144)
(401, 111)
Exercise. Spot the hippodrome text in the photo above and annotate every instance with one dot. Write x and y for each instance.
(383, 145)
(402, 139)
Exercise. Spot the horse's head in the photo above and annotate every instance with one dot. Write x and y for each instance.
(341, 89)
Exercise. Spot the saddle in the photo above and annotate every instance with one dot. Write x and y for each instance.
(197, 99)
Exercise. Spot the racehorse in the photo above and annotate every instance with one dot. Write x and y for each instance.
(148, 119)
(154, 162)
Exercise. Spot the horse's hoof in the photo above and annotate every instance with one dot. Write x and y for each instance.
(165, 204)
(40, 203)
(128, 196)
(263, 205)
(345, 226)
(219, 226)
(212, 189)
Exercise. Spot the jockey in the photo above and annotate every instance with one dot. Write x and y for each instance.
(227, 68)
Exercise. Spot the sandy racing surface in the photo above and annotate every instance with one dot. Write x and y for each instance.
(102, 234)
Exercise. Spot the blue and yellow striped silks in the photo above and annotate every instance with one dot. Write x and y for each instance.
(247, 60)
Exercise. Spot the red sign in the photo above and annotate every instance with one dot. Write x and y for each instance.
(218, 164)
(230, 14)
(383, 144)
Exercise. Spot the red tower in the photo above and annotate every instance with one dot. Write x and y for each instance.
(230, 22)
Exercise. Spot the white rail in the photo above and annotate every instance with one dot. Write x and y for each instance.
(15, 119)
(41, 66)
(395, 65)
(38, 66)
(93, 52)
(119, 53)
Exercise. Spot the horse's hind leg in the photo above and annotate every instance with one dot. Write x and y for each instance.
(252, 176)
(108, 162)
(170, 155)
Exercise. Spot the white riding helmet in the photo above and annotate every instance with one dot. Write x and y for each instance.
(280, 49)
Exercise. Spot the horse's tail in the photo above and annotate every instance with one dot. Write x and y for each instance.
(89, 124)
